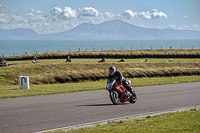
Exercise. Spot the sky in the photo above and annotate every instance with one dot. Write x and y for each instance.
(53, 16)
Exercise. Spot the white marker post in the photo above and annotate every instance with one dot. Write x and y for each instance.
(24, 82)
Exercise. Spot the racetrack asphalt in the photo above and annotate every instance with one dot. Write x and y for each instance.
(39, 113)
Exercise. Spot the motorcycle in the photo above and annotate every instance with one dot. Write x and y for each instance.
(3, 63)
(118, 94)
(35, 61)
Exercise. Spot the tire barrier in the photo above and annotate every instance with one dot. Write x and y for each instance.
(96, 78)
(106, 55)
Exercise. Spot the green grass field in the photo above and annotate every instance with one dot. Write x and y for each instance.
(186, 121)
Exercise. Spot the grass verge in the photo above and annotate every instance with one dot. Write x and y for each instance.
(12, 91)
(57, 71)
(186, 121)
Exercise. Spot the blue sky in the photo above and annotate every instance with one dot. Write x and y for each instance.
(51, 16)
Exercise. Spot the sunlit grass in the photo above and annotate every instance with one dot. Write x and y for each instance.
(11, 91)
(185, 121)
(49, 70)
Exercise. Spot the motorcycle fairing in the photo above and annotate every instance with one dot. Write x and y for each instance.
(120, 89)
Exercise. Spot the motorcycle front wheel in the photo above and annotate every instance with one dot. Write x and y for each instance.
(114, 97)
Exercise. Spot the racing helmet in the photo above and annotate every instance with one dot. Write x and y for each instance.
(112, 70)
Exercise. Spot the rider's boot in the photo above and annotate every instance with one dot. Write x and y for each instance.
(130, 90)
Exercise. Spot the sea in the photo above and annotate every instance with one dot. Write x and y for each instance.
(18, 47)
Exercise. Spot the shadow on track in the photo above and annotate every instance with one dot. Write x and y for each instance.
(97, 105)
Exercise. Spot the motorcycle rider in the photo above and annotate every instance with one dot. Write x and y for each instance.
(2, 61)
(102, 60)
(68, 59)
(122, 60)
(113, 74)
(35, 58)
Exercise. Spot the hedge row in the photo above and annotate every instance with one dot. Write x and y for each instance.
(93, 78)
(176, 53)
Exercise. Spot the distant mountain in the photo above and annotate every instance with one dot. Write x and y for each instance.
(119, 30)
(110, 30)
(18, 34)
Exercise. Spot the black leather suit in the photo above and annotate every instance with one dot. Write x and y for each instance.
(121, 79)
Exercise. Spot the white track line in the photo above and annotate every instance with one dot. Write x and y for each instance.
(122, 118)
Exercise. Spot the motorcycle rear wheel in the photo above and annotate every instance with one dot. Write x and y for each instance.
(133, 97)
(114, 97)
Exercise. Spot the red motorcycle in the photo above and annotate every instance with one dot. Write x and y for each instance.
(118, 94)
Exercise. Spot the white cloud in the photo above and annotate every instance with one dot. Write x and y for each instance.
(34, 16)
(172, 26)
(185, 16)
(88, 12)
(129, 14)
(2, 9)
(57, 12)
(16, 19)
(4, 18)
(145, 15)
(69, 13)
(38, 12)
(154, 14)
(31, 17)
(195, 27)
(108, 15)
(66, 13)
